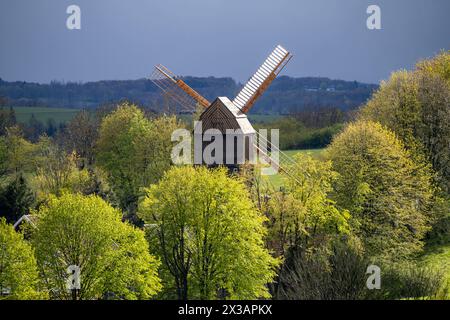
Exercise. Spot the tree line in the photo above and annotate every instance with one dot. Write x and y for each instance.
(286, 95)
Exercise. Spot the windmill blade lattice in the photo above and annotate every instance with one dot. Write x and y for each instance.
(261, 80)
(186, 97)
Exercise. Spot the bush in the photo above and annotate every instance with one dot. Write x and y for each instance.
(408, 280)
(323, 275)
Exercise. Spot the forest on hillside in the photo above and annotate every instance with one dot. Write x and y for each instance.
(286, 95)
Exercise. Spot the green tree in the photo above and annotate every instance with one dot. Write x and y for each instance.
(304, 225)
(7, 119)
(18, 270)
(16, 153)
(81, 134)
(302, 215)
(85, 231)
(415, 105)
(56, 171)
(16, 199)
(134, 152)
(208, 234)
(387, 194)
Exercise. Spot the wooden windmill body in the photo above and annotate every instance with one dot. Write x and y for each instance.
(224, 115)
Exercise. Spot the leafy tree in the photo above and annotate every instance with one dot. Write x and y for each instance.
(302, 215)
(295, 135)
(387, 194)
(7, 119)
(16, 153)
(16, 199)
(57, 171)
(82, 133)
(86, 232)
(317, 116)
(18, 269)
(208, 234)
(51, 127)
(134, 152)
(415, 105)
(34, 129)
(303, 226)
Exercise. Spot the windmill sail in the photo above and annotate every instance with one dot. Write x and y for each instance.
(259, 82)
(177, 89)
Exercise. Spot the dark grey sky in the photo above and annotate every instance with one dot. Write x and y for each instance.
(124, 39)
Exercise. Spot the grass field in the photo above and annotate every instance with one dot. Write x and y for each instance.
(277, 180)
(43, 114)
(60, 115)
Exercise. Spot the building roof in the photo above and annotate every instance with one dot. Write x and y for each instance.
(29, 218)
(223, 114)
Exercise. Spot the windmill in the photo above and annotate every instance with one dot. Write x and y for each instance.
(224, 115)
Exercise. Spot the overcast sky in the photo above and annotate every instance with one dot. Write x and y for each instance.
(124, 39)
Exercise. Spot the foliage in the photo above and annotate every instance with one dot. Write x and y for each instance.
(302, 215)
(18, 269)
(16, 199)
(133, 151)
(112, 256)
(321, 117)
(286, 95)
(208, 235)
(81, 135)
(409, 280)
(15, 152)
(57, 171)
(7, 119)
(324, 274)
(294, 134)
(415, 105)
(387, 194)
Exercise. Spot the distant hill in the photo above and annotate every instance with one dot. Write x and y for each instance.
(286, 95)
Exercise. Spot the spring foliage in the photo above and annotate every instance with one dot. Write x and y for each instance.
(302, 215)
(209, 235)
(415, 105)
(87, 232)
(387, 194)
(18, 269)
(133, 151)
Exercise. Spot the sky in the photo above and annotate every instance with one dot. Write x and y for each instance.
(222, 38)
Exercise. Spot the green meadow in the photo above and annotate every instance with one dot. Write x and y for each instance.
(43, 114)
(277, 179)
